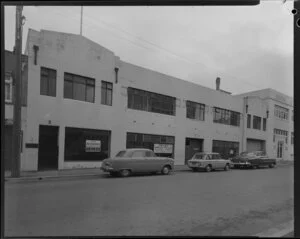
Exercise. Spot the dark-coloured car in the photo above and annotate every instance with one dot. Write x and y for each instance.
(208, 162)
(137, 160)
(255, 159)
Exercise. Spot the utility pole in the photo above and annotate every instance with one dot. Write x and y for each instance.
(16, 144)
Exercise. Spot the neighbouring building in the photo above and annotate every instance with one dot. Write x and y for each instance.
(84, 104)
(10, 69)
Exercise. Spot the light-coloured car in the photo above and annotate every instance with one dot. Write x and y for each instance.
(208, 162)
(137, 160)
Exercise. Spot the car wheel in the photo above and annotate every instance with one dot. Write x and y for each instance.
(227, 167)
(208, 168)
(272, 165)
(125, 173)
(165, 170)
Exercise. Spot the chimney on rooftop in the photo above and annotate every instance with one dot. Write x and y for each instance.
(218, 82)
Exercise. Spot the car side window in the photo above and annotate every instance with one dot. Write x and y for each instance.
(138, 154)
(215, 156)
(149, 154)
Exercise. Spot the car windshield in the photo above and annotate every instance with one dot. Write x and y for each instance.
(123, 154)
(198, 156)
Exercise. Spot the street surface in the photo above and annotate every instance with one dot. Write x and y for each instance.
(237, 203)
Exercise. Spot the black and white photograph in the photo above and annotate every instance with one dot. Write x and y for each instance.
(148, 119)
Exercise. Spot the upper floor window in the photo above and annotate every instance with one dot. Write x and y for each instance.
(106, 93)
(79, 88)
(281, 112)
(264, 124)
(256, 122)
(224, 116)
(195, 110)
(8, 88)
(248, 121)
(280, 132)
(152, 102)
(48, 82)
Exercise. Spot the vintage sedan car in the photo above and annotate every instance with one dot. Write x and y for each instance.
(253, 159)
(208, 162)
(131, 161)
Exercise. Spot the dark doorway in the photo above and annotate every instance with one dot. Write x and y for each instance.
(192, 146)
(48, 148)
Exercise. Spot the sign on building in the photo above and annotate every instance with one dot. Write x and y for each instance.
(92, 146)
(163, 148)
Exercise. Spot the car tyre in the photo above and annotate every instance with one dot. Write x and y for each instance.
(272, 165)
(227, 167)
(125, 173)
(208, 168)
(165, 170)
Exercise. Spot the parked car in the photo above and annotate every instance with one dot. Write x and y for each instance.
(131, 161)
(208, 162)
(253, 159)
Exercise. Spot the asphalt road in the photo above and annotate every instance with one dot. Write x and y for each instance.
(237, 203)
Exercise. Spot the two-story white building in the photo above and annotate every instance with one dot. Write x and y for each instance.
(85, 104)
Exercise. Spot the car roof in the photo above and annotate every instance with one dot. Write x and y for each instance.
(206, 153)
(134, 149)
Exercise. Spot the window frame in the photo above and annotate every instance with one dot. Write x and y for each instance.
(10, 83)
(256, 122)
(75, 79)
(46, 74)
(105, 88)
(194, 106)
(226, 116)
(248, 121)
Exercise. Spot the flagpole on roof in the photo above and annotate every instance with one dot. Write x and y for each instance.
(81, 20)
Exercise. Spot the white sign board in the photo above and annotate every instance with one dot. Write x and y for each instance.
(163, 148)
(92, 146)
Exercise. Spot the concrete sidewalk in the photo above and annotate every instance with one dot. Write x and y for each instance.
(74, 173)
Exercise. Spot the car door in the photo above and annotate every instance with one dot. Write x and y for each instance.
(152, 162)
(210, 160)
(220, 161)
(215, 159)
(138, 162)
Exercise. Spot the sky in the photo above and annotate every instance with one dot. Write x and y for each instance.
(248, 47)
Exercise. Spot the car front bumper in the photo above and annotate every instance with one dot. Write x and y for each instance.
(107, 169)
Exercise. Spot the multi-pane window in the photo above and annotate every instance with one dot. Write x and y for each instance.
(264, 124)
(48, 82)
(256, 122)
(224, 116)
(162, 145)
(106, 93)
(280, 132)
(195, 110)
(152, 102)
(224, 148)
(248, 121)
(79, 88)
(8, 88)
(281, 112)
(292, 137)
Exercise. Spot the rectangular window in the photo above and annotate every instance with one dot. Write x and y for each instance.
(161, 145)
(86, 144)
(292, 137)
(264, 124)
(79, 88)
(8, 88)
(151, 102)
(48, 82)
(195, 110)
(281, 112)
(106, 93)
(256, 122)
(224, 148)
(281, 133)
(248, 121)
(228, 117)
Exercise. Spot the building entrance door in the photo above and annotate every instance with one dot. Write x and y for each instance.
(192, 146)
(48, 148)
(280, 149)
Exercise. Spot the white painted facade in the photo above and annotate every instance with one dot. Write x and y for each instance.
(78, 55)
